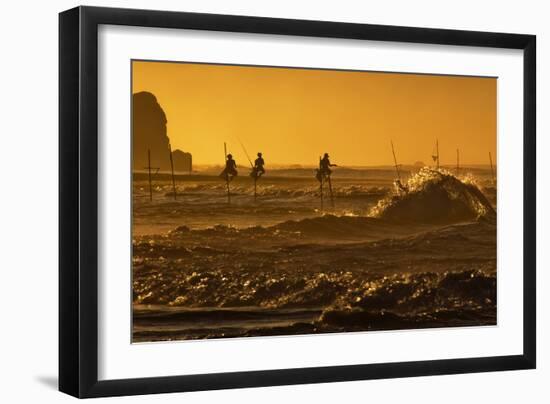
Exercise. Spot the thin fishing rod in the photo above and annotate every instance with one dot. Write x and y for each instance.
(245, 152)
(395, 162)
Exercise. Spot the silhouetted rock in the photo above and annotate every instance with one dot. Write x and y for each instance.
(183, 161)
(149, 133)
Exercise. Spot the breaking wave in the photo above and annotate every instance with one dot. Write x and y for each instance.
(435, 196)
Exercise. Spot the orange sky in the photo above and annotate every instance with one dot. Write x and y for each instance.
(295, 115)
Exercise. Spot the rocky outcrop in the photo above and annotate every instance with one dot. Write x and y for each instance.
(183, 161)
(149, 136)
(149, 133)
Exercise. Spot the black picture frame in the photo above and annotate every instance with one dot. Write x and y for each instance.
(78, 201)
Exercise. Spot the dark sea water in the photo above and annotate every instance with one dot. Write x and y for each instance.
(381, 259)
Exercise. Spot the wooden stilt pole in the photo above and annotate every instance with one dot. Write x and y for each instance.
(149, 169)
(330, 190)
(437, 151)
(173, 179)
(321, 190)
(226, 174)
(321, 184)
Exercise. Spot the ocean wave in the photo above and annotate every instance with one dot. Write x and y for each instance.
(421, 292)
(445, 276)
(345, 227)
(274, 304)
(332, 289)
(456, 298)
(435, 196)
(273, 190)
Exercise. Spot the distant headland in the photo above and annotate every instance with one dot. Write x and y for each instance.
(150, 137)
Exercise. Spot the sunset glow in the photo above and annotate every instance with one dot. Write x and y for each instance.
(295, 115)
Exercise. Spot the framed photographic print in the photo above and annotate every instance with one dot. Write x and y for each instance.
(250, 201)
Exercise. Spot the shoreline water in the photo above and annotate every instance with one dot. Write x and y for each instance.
(215, 268)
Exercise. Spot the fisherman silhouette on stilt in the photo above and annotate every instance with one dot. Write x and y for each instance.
(324, 167)
(230, 169)
(258, 170)
(323, 174)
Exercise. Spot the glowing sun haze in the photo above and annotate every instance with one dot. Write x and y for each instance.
(295, 115)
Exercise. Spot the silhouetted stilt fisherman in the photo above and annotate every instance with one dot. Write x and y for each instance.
(323, 175)
(257, 171)
(229, 172)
